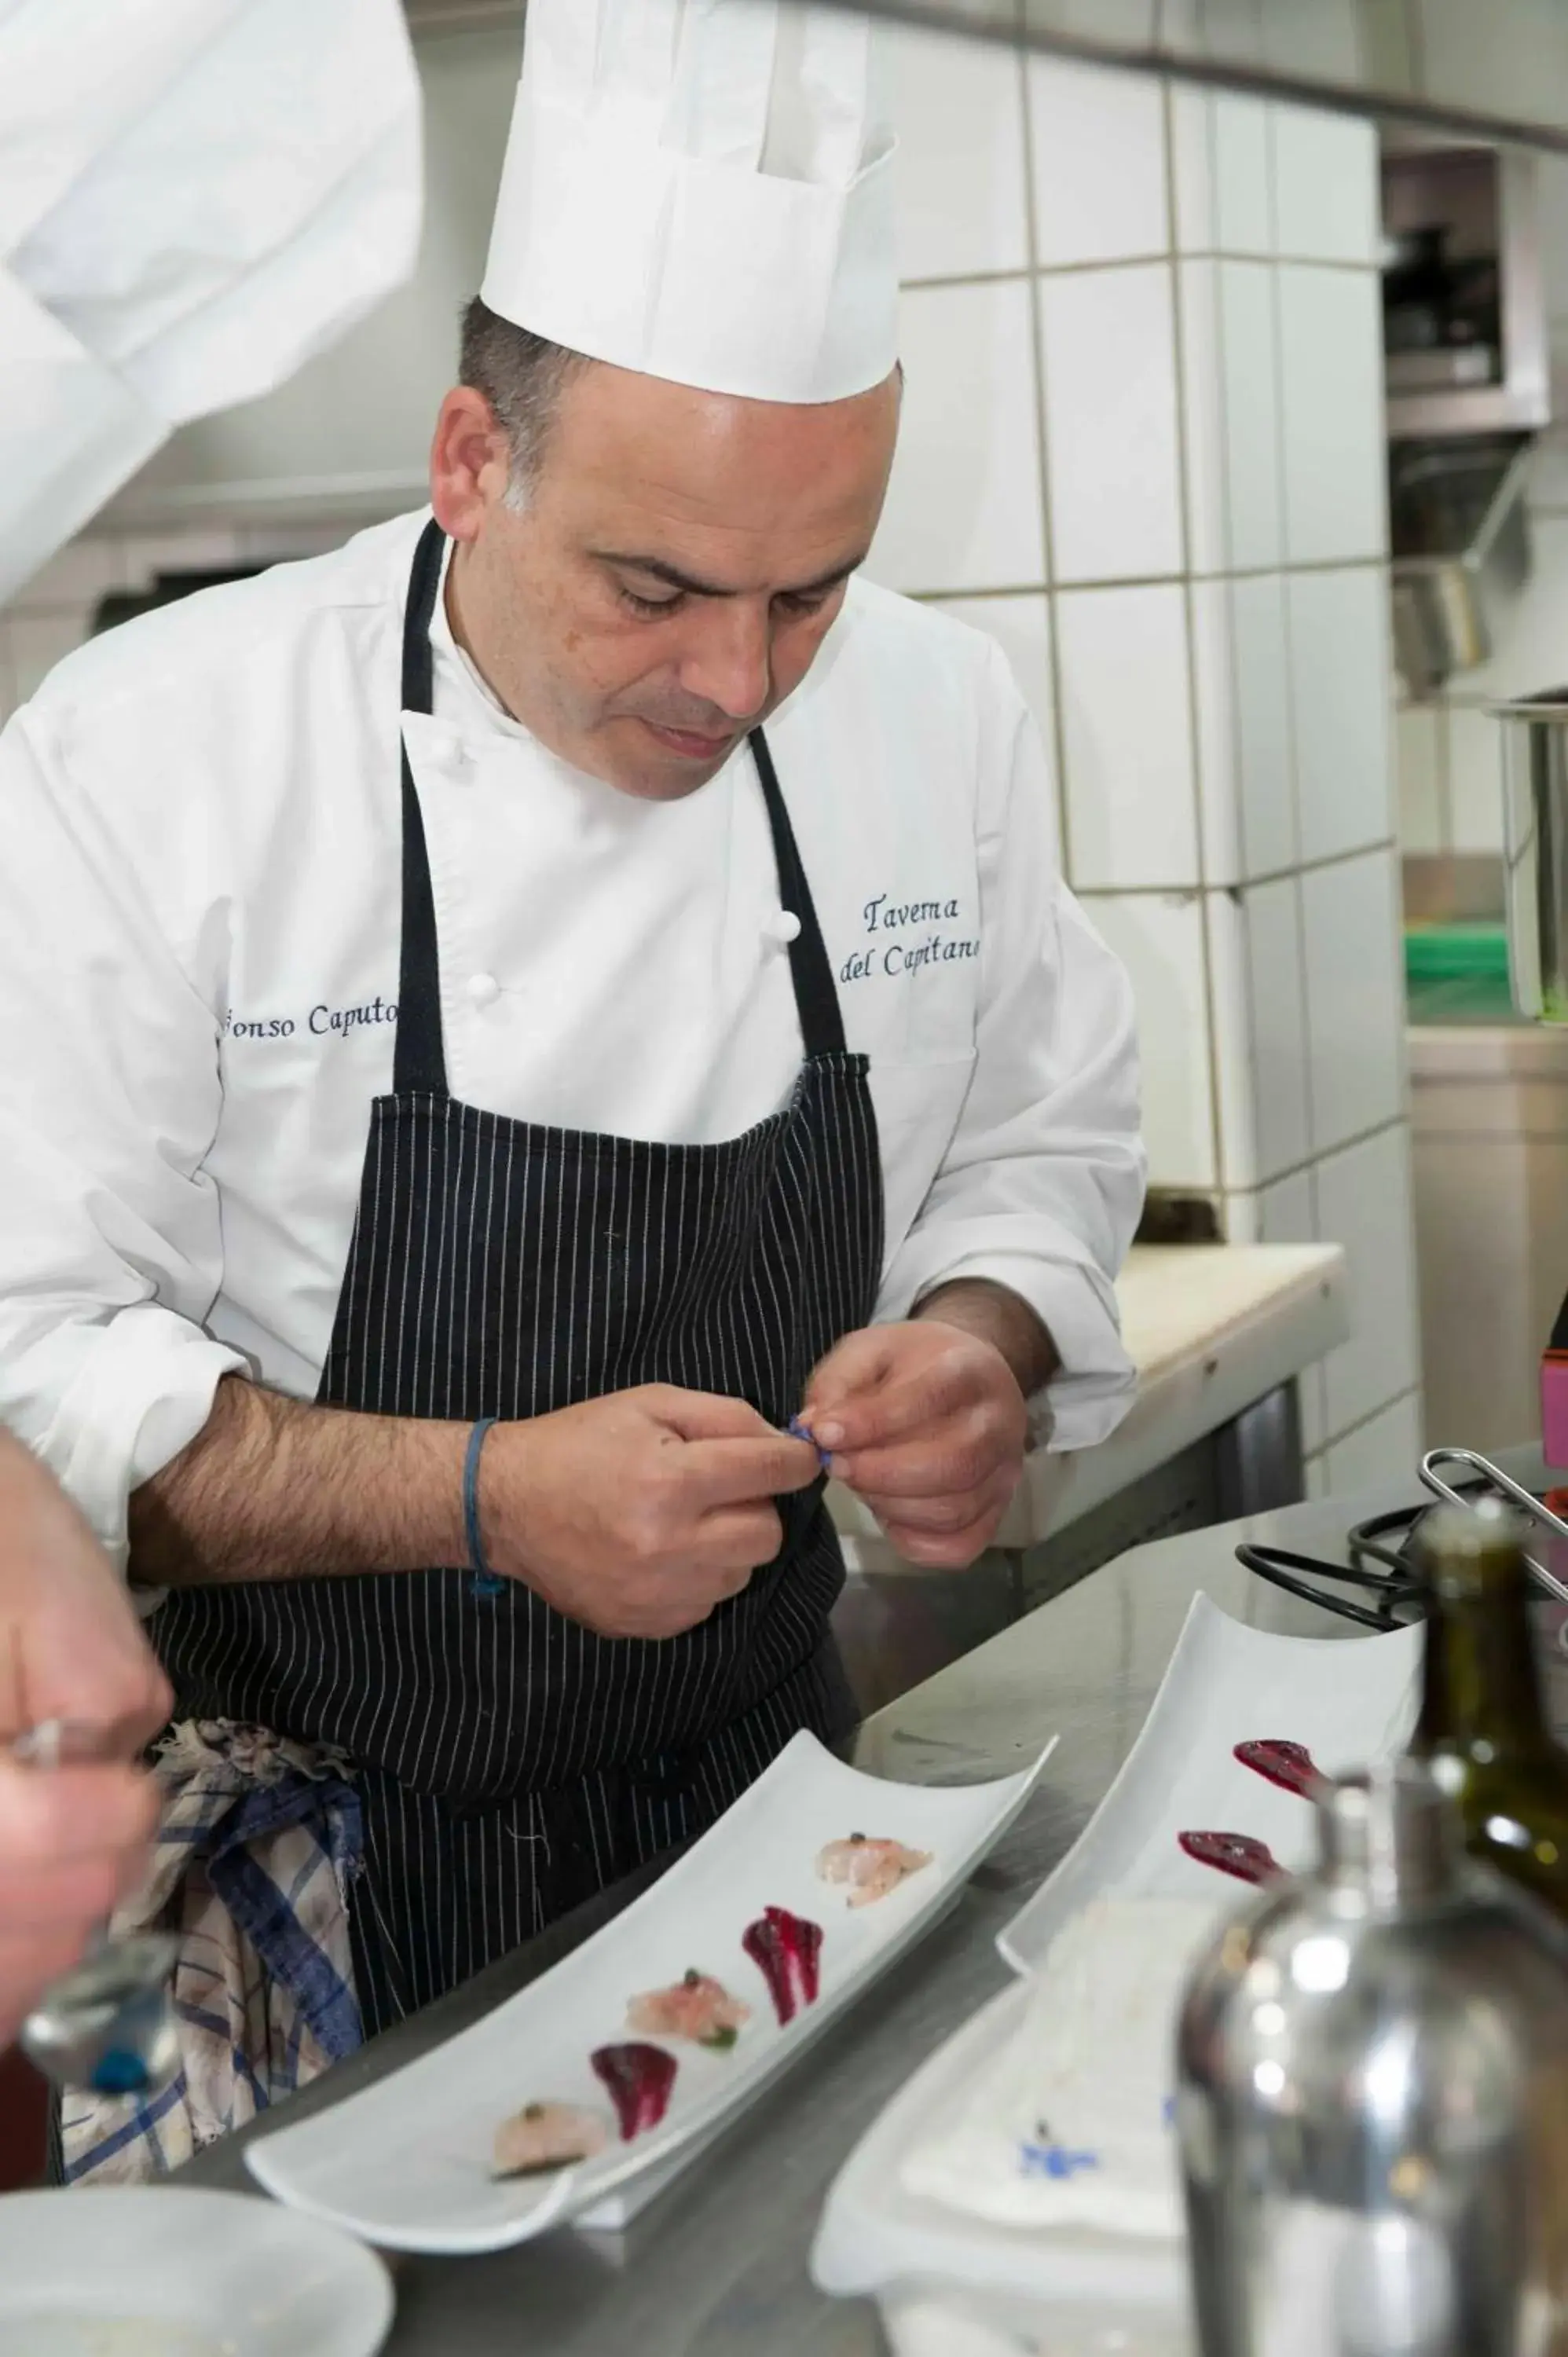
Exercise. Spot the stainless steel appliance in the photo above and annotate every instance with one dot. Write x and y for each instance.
(1372, 2101)
(1461, 548)
(1535, 850)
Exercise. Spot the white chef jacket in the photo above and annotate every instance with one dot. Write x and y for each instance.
(199, 934)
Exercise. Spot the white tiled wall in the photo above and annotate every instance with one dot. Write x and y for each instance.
(1355, 997)
(1143, 447)
(1207, 635)
(1159, 937)
(1131, 803)
(964, 509)
(1110, 387)
(1331, 384)
(1362, 1199)
(1325, 184)
(1242, 683)
(1337, 635)
(965, 211)
(1099, 179)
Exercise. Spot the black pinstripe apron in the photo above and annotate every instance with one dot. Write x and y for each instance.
(509, 1761)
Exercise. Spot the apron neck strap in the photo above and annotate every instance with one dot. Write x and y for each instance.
(419, 1058)
(420, 1061)
(816, 997)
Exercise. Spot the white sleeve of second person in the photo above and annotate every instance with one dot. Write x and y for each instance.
(1042, 1184)
(111, 1249)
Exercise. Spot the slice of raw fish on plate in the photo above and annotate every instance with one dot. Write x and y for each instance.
(545, 2136)
(696, 2007)
(870, 1867)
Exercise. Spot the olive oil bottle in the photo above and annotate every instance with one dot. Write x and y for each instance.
(1483, 1726)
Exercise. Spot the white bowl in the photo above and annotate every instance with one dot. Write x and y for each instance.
(150, 2272)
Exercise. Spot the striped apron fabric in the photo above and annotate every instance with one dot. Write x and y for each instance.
(509, 1762)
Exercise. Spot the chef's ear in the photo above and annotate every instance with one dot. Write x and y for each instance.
(470, 462)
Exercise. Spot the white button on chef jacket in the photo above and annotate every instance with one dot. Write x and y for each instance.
(198, 973)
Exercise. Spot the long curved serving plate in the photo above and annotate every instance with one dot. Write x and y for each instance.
(405, 2163)
(1350, 1700)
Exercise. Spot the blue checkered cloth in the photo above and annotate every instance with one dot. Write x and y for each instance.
(259, 1842)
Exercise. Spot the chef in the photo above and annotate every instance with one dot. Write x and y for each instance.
(505, 1021)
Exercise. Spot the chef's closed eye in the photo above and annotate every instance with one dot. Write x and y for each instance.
(794, 602)
(652, 603)
(656, 596)
(790, 606)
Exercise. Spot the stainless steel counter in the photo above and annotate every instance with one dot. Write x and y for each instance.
(718, 2265)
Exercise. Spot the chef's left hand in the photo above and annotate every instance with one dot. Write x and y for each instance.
(927, 1425)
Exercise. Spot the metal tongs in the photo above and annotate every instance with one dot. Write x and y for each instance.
(108, 2024)
(1496, 1478)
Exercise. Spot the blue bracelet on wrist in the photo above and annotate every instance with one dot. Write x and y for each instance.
(485, 1582)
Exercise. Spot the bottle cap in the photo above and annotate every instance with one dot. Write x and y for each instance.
(1466, 1547)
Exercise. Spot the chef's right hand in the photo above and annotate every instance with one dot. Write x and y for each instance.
(639, 1512)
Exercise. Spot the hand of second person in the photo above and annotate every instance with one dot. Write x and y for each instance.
(927, 1424)
(73, 1843)
(72, 1840)
(71, 1645)
(638, 1514)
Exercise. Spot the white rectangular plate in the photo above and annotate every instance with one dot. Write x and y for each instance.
(406, 2163)
(1350, 1700)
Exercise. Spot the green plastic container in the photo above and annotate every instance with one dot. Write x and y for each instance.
(1457, 974)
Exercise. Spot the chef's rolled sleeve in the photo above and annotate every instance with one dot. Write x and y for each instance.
(1042, 1182)
(110, 1250)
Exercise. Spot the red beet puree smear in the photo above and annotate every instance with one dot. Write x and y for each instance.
(1289, 1765)
(1236, 1854)
(787, 1950)
(639, 2080)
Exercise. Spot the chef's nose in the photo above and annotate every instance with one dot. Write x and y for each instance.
(729, 661)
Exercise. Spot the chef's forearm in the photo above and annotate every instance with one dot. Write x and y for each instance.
(275, 1488)
(995, 1315)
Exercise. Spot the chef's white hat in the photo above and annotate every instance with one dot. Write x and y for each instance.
(701, 190)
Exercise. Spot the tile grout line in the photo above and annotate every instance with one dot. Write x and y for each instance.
(1311, 1163)
(1314, 1206)
(1442, 731)
(1307, 1167)
(1309, 1105)
(1083, 589)
(1043, 461)
(1335, 1439)
(1216, 1125)
(1190, 890)
(1238, 811)
(1144, 260)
